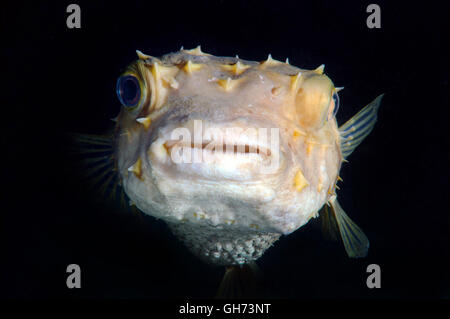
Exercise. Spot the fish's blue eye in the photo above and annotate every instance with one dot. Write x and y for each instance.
(128, 90)
(336, 103)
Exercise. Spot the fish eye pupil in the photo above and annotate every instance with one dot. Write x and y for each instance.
(128, 90)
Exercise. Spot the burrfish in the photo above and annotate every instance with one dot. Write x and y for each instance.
(230, 153)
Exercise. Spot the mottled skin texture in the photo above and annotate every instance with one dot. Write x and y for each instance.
(228, 212)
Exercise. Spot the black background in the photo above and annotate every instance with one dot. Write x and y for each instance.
(62, 80)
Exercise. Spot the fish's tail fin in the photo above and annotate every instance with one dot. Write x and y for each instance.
(244, 281)
(335, 220)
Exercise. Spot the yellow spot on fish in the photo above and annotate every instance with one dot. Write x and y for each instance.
(309, 147)
(146, 121)
(196, 51)
(228, 84)
(166, 147)
(254, 226)
(190, 67)
(136, 168)
(269, 62)
(319, 185)
(142, 56)
(236, 68)
(295, 81)
(155, 71)
(331, 190)
(300, 181)
(298, 133)
(320, 69)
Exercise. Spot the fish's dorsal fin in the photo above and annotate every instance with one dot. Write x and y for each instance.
(355, 241)
(355, 130)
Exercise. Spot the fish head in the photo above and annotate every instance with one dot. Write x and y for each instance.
(226, 150)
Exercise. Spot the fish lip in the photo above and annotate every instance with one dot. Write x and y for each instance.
(243, 162)
(243, 137)
(220, 147)
(243, 153)
(234, 153)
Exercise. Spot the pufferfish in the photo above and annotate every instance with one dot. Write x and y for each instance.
(228, 210)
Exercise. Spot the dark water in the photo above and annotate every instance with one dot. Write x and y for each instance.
(395, 186)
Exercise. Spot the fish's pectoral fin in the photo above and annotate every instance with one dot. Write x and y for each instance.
(94, 157)
(355, 241)
(330, 229)
(355, 130)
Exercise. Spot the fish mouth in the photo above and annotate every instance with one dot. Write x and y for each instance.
(212, 146)
(237, 157)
